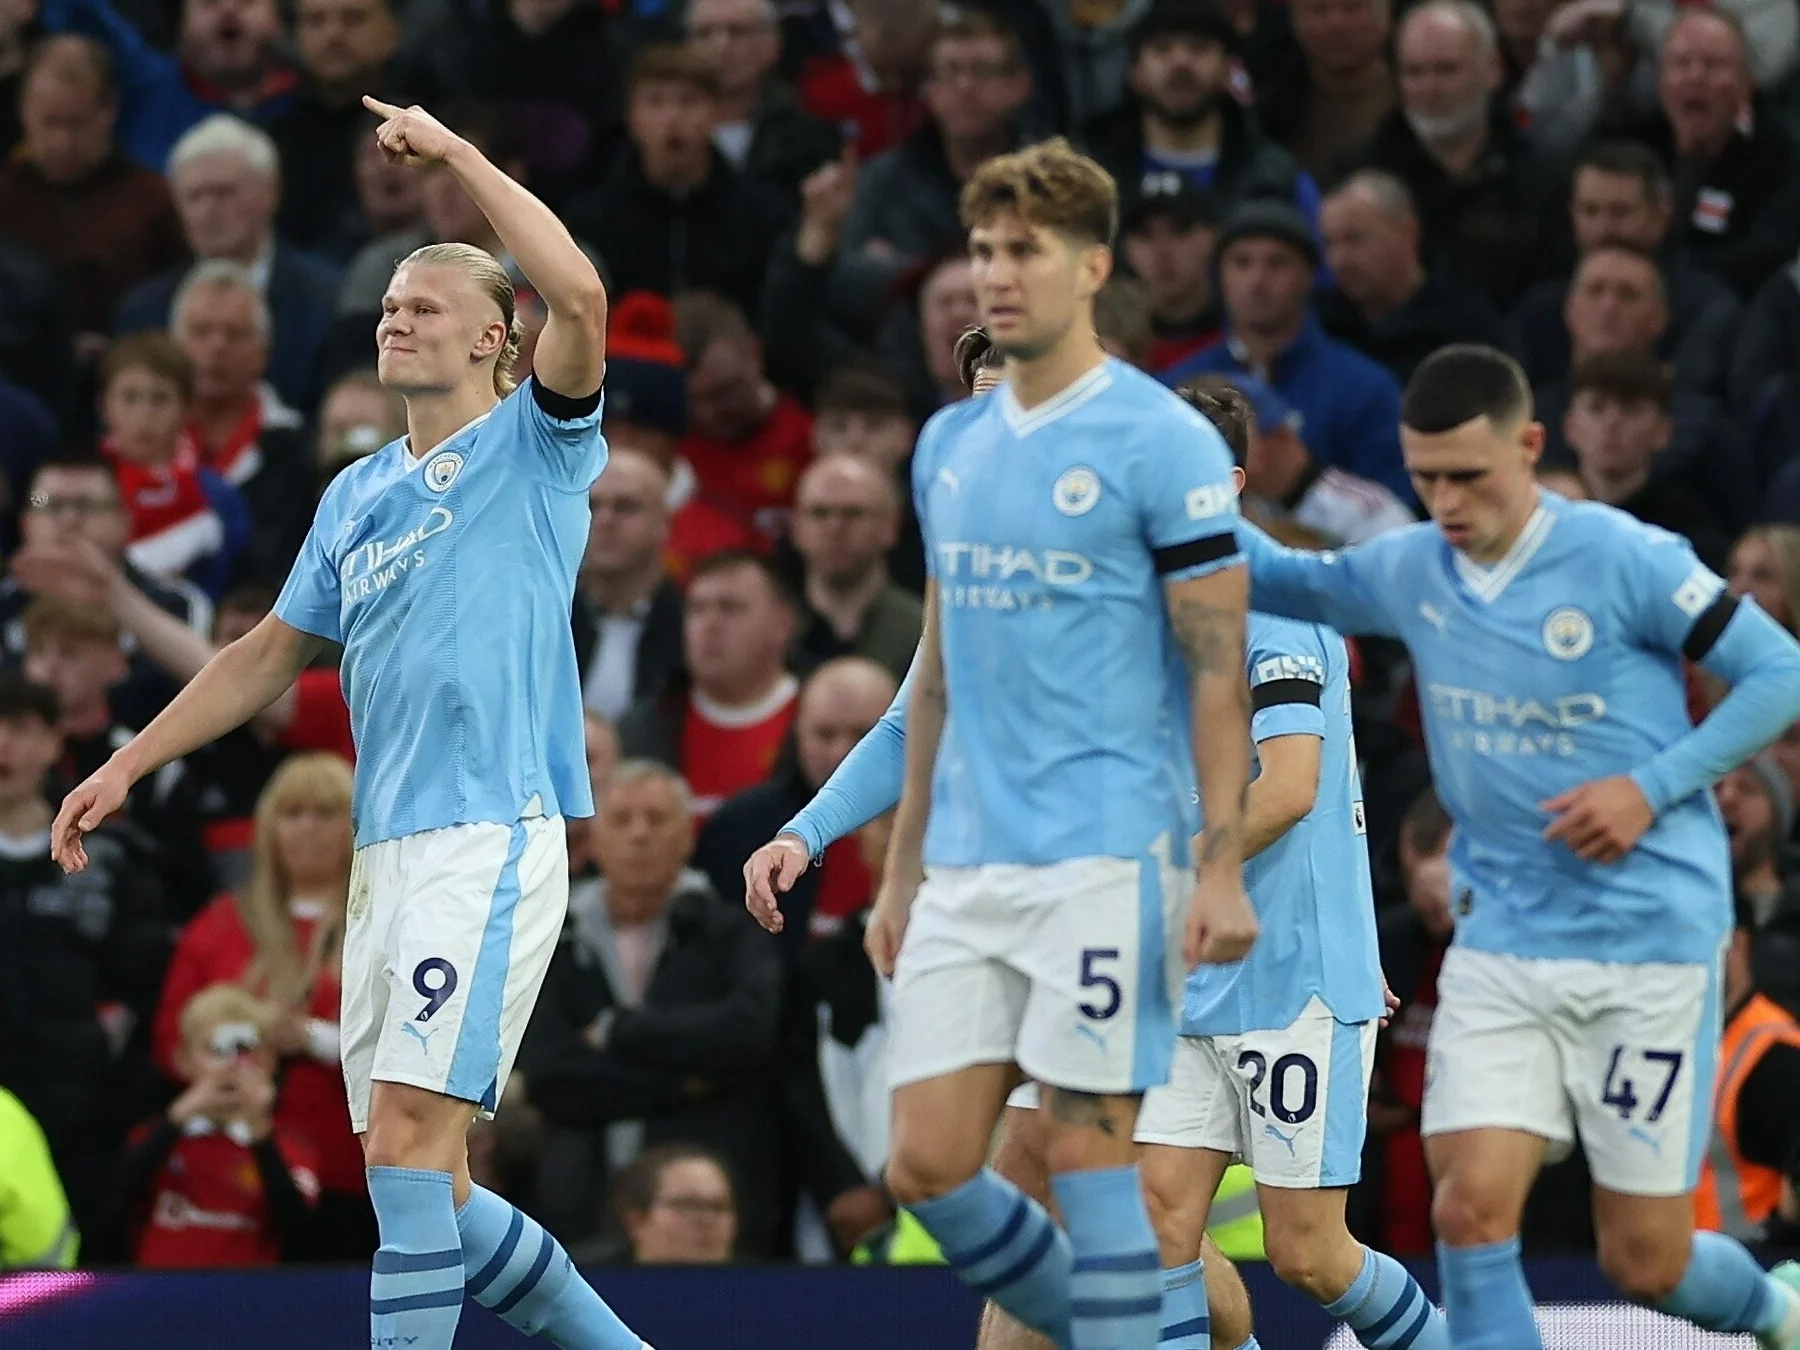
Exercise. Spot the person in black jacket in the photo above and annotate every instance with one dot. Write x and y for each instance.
(657, 1019)
(81, 965)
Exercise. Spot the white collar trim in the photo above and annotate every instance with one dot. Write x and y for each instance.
(1488, 582)
(748, 714)
(406, 450)
(1061, 404)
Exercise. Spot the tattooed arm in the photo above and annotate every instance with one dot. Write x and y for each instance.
(1208, 616)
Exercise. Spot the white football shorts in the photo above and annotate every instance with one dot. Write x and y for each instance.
(447, 939)
(1622, 1055)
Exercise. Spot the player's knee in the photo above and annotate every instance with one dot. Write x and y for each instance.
(410, 1127)
(1467, 1214)
(1304, 1260)
(1642, 1266)
(1178, 1216)
(915, 1174)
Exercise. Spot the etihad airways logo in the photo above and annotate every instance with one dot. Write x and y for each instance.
(379, 563)
(1005, 577)
(1507, 725)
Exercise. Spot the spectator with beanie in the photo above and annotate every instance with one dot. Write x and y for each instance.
(1182, 117)
(81, 964)
(1166, 235)
(1266, 261)
(723, 724)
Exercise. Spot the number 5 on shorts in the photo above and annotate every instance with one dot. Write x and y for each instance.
(1095, 979)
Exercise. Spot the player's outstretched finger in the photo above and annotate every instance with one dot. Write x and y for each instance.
(379, 108)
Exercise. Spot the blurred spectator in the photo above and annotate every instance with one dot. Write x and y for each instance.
(1768, 339)
(344, 47)
(16, 22)
(627, 610)
(357, 417)
(657, 1017)
(389, 198)
(280, 936)
(677, 1207)
(905, 207)
(1350, 406)
(722, 723)
(28, 437)
(82, 961)
(1122, 320)
(1737, 194)
(1181, 117)
(1349, 84)
(1166, 235)
(228, 57)
(946, 309)
(184, 519)
(36, 343)
(227, 181)
(36, 1229)
(239, 425)
(761, 129)
(1414, 938)
(861, 410)
(1765, 565)
(846, 520)
(73, 650)
(70, 196)
(1563, 481)
(1384, 302)
(1621, 194)
(1755, 1147)
(673, 214)
(869, 85)
(219, 1180)
(746, 442)
(1757, 805)
(1618, 427)
(801, 345)
(1287, 485)
(1484, 196)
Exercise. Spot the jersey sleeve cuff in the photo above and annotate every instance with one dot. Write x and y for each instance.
(802, 829)
(561, 407)
(1649, 782)
(1287, 719)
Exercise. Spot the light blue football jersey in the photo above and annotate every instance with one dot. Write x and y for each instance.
(1050, 534)
(449, 584)
(1558, 665)
(1315, 904)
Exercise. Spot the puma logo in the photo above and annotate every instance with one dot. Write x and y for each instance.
(1083, 1029)
(422, 1037)
(1287, 1139)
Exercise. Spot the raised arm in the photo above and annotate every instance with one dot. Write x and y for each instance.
(1330, 588)
(571, 352)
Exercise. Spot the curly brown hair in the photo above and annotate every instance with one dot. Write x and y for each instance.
(1049, 184)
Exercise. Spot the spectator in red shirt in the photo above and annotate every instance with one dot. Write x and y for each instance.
(870, 85)
(280, 937)
(747, 442)
(217, 1180)
(723, 724)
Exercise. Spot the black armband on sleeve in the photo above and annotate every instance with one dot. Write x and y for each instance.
(1708, 626)
(1194, 553)
(1274, 693)
(561, 406)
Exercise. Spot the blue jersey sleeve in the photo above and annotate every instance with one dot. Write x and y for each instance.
(1287, 664)
(867, 784)
(562, 434)
(1676, 604)
(309, 600)
(1349, 589)
(1188, 501)
(924, 471)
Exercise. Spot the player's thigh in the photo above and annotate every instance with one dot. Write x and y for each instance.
(369, 916)
(1105, 973)
(1022, 1155)
(476, 917)
(1493, 1061)
(1199, 1114)
(1179, 1185)
(1639, 1072)
(1305, 1093)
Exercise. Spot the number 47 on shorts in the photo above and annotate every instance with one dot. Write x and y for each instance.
(1621, 1092)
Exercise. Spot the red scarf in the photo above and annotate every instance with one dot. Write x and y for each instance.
(160, 498)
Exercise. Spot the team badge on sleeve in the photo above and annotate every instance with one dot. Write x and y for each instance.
(1568, 634)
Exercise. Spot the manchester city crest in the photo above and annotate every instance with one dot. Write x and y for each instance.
(1568, 633)
(1076, 492)
(441, 470)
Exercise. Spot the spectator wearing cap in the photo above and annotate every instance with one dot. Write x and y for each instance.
(1618, 426)
(761, 129)
(1348, 84)
(1737, 199)
(905, 206)
(1287, 485)
(1620, 193)
(1181, 117)
(72, 197)
(1267, 260)
(1485, 197)
(1167, 231)
(673, 215)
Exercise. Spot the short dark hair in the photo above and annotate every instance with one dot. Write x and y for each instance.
(972, 25)
(76, 459)
(1224, 405)
(975, 352)
(727, 558)
(861, 388)
(1627, 377)
(20, 698)
(671, 63)
(1426, 824)
(1461, 382)
(634, 1189)
(157, 353)
(1627, 159)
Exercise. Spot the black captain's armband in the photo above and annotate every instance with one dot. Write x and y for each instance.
(561, 406)
(1708, 626)
(1194, 553)
(1275, 693)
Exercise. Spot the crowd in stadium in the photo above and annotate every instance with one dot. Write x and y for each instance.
(196, 230)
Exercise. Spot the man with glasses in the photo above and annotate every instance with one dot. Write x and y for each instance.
(74, 504)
